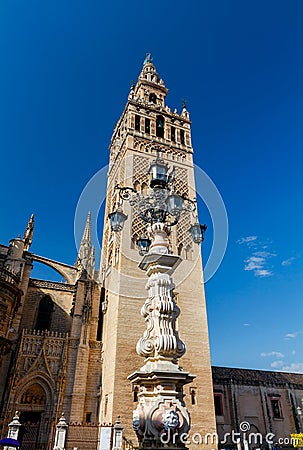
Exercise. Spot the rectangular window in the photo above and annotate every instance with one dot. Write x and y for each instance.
(276, 408)
(147, 126)
(173, 134)
(182, 137)
(218, 405)
(105, 404)
(137, 122)
(88, 417)
(100, 318)
(160, 126)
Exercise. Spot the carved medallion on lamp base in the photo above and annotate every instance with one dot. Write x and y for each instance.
(161, 419)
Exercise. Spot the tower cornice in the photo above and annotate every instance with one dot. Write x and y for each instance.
(151, 85)
(158, 109)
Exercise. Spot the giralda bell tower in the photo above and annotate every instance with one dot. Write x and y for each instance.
(146, 129)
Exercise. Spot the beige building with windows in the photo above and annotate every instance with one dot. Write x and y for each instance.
(270, 402)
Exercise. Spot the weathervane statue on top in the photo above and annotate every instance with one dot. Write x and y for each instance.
(148, 59)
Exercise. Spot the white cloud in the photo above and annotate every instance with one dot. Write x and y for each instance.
(264, 254)
(288, 262)
(246, 324)
(263, 273)
(277, 364)
(293, 352)
(276, 354)
(294, 367)
(253, 263)
(247, 239)
(258, 261)
(292, 335)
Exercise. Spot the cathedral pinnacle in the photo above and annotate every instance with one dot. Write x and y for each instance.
(86, 254)
(28, 234)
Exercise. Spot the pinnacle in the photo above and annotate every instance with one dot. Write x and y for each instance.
(28, 234)
(86, 254)
(86, 234)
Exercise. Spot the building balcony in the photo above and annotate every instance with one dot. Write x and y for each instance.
(9, 277)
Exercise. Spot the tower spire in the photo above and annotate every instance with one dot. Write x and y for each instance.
(29, 231)
(86, 255)
(150, 88)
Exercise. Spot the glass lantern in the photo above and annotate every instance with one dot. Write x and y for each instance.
(143, 245)
(117, 219)
(158, 174)
(174, 204)
(197, 232)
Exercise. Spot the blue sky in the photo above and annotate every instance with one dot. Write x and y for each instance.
(66, 72)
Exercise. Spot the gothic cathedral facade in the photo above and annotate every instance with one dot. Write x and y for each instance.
(71, 346)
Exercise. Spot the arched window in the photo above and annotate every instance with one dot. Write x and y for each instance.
(137, 186)
(160, 126)
(137, 122)
(173, 133)
(182, 138)
(180, 248)
(193, 396)
(110, 257)
(134, 241)
(152, 98)
(144, 188)
(188, 252)
(45, 312)
(147, 126)
(136, 390)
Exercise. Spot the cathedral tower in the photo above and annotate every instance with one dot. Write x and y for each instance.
(147, 128)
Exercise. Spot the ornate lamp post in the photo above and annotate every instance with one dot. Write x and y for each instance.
(161, 418)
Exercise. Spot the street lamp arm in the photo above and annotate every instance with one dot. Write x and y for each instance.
(125, 192)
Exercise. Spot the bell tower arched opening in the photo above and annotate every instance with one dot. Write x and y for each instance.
(160, 126)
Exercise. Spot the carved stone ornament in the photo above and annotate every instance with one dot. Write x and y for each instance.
(170, 420)
(160, 312)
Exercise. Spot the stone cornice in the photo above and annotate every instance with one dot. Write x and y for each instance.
(33, 282)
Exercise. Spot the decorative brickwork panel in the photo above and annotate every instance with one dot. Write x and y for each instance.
(140, 179)
(183, 235)
(181, 181)
(111, 241)
(141, 167)
(122, 172)
(184, 241)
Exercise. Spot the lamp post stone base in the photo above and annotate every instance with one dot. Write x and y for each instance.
(161, 419)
